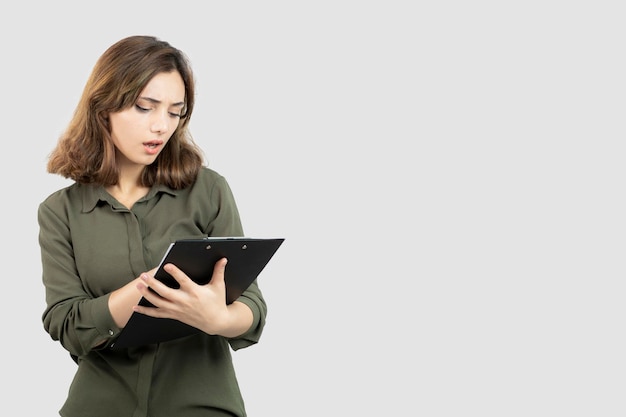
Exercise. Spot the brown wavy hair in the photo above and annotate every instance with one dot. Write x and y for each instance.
(85, 152)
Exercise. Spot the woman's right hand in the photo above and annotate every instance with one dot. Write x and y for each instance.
(122, 300)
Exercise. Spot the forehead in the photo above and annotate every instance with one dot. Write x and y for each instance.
(165, 87)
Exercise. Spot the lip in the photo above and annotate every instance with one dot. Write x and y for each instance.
(153, 147)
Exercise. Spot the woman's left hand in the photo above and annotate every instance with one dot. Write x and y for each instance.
(200, 306)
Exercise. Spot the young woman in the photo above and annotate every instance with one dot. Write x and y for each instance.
(139, 183)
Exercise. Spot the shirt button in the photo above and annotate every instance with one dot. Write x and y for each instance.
(110, 332)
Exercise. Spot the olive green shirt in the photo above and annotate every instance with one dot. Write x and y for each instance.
(91, 245)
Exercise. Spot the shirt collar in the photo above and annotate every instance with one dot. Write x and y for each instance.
(93, 194)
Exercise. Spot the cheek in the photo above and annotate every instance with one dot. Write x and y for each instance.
(122, 128)
(175, 126)
(117, 134)
(172, 130)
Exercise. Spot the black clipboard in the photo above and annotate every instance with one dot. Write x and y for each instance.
(247, 257)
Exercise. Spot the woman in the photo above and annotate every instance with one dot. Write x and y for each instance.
(139, 183)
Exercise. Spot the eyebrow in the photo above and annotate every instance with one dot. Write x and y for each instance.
(155, 101)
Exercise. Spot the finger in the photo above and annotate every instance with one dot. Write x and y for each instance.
(150, 311)
(151, 289)
(219, 270)
(177, 274)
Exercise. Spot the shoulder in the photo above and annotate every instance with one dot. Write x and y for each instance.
(61, 195)
(210, 178)
(207, 173)
(210, 183)
(65, 198)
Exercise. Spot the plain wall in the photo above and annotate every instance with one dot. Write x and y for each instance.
(448, 176)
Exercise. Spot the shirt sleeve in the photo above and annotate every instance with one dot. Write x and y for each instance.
(72, 316)
(227, 223)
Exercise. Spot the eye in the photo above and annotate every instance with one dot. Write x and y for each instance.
(175, 115)
(141, 109)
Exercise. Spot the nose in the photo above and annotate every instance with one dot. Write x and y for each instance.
(160, 123)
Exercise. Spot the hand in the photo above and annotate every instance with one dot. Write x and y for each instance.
(122, 300)
(200, 306)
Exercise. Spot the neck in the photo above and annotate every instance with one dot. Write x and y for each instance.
(127, 190)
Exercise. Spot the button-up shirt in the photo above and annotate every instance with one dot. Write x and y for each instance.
(90, 246)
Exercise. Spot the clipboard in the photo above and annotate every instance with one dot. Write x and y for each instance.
(247, 257)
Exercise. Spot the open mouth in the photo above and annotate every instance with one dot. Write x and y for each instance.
(153, 146)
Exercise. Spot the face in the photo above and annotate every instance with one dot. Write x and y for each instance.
(140, 132)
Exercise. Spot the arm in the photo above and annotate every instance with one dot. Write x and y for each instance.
(73, 316)
(122, 301)
(82, 314)
(227, 222)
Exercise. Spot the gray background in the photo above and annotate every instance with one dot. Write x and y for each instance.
(448, 177)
